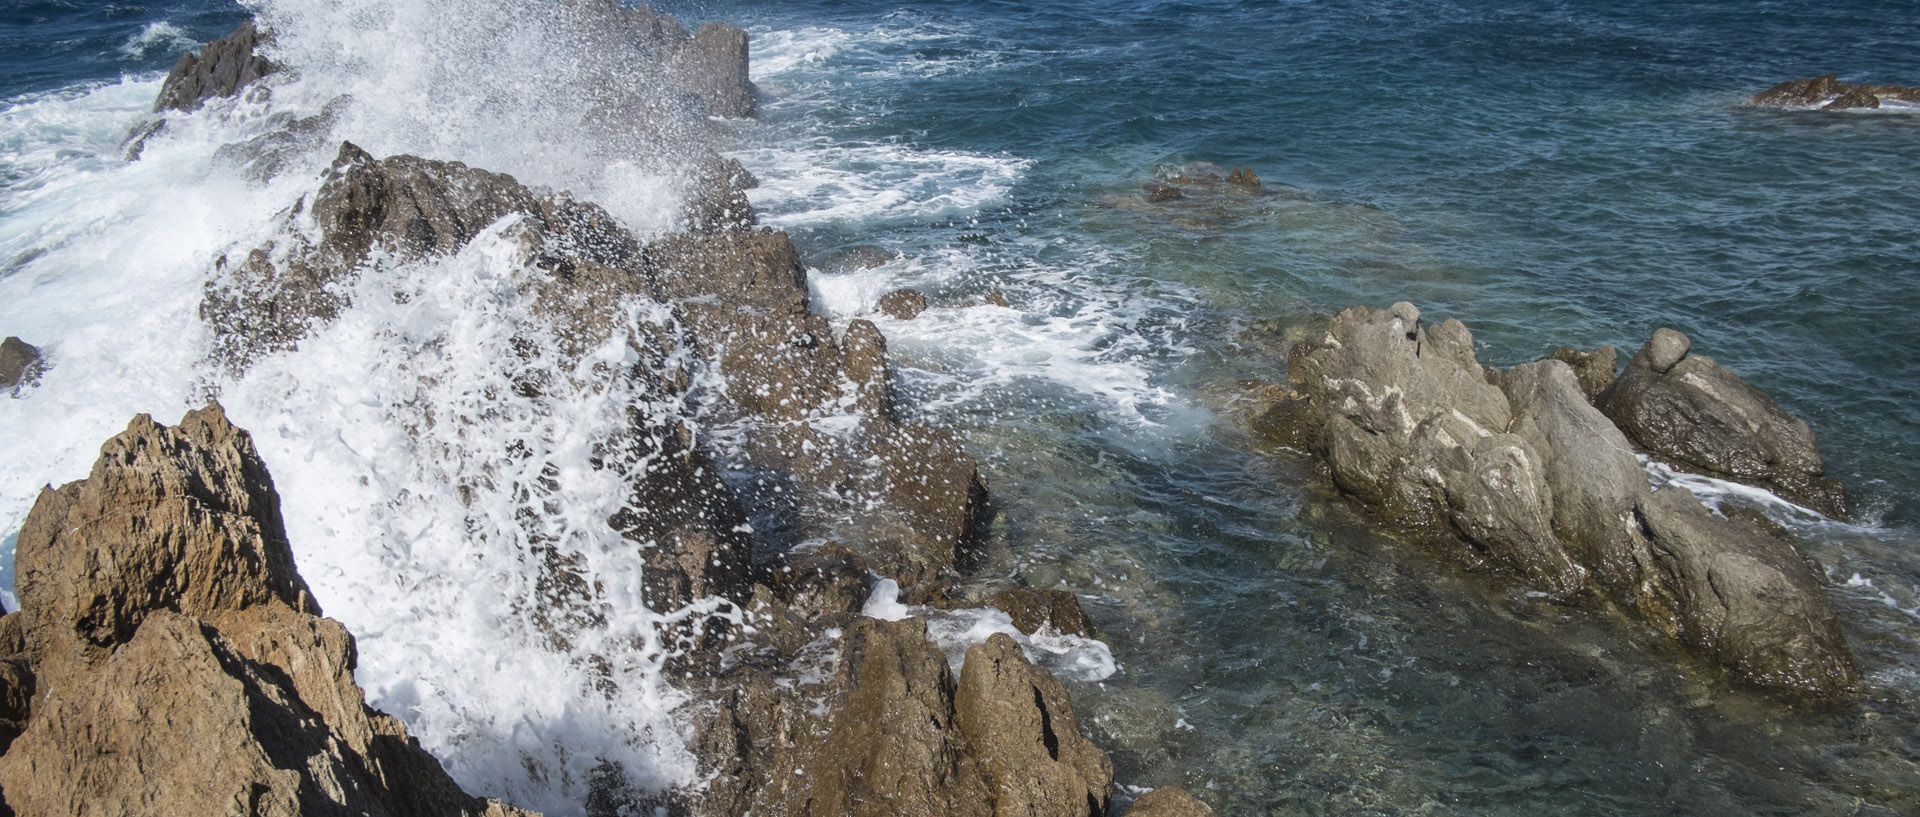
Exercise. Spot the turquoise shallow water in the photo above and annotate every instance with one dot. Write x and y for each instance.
(1549, 173)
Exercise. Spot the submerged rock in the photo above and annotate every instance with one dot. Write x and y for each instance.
(1831, 94)
(20, 365)
(222, 68)
(178, 663)
(1689, 411)
(1169, 801)
(1535, 477)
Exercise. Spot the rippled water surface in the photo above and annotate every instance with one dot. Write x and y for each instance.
(1548, 172)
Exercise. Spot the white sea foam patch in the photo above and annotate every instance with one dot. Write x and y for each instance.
(429, 501)
(101, 263)
(1070, 656)
(779, 53)
(823, 182)
(158, 37)
(549, 92)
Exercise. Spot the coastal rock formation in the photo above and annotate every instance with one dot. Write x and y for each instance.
(222, 68)
(20, 365)
(1537, 481)
(1831, 94)
(893, 733)
(706, 68)
(1169, 801)
(903, 304)
(177, 663)
(1689, 411)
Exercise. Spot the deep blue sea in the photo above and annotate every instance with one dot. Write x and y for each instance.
(1550, 173)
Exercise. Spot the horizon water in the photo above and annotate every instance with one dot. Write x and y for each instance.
(1550, 173)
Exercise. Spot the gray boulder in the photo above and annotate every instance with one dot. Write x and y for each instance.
(1534, 475)
(1405, 419)
(1169, 801)
(1689, 411)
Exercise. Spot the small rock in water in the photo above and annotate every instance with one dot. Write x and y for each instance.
(1164, 192)
(20, 365)
(1856, 97)
(222, 68)
(997, 298)
(1244, 177)
(903, 304)
(1169, 801)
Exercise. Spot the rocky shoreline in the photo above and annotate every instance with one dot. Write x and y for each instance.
(162, 588)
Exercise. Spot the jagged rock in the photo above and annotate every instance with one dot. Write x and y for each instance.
(1406, 420)
(1163, 192)
(892, 734)
(1168, 801)
(1837, 95)
(21, 365)
(1244, 177)
(708, 67)
(1398, 413)
(1746, 597)
(997, 298)
(407, 207)
(1590, 469)
(1595, 370)
(1021, 725)
(179, 664)
(1699, 416)
(1855, 97)
(1032, 610)
(222, 68)
(865, 351)
(903, 304)
(718, 198)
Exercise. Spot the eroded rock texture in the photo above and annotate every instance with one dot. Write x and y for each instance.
(1538, 482)
(1831, 94)
(21, 364)
(222, 68)
(1687, 410)
(176, 661)
(893, 733)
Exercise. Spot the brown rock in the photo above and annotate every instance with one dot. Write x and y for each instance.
(1594, 370)
(1034, 609)
(1022, 728)
(1244, 177)
(20, 365)
(903, 304)
(179, 664)
(1163, 192)
(1855, 97)
(865, 351)
(222, 68)
(1168, 801)
(1800, 92)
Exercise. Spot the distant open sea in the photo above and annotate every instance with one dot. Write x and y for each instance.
(1550, 173)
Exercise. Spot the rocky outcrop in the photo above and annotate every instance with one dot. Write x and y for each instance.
(1540, 484)
(1595, 370)
(20, 365)
(1689, 411)
(903, 304)
(176, 661)
(1168, 801)
(222, 68)
(893, 733)
(1829, 93)
(1034, 610)
(706, 68)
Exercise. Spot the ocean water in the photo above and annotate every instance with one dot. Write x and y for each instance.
(1548, 172)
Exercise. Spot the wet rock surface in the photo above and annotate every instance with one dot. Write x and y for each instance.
(20, 365)
(903, 304)
(1691, 412)
(176, 661)
(1536, 481)
(222, 68)
(893, 733)
(1169, 801)
(1832, 94)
